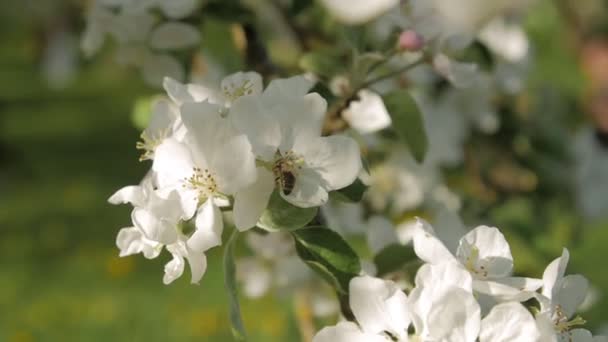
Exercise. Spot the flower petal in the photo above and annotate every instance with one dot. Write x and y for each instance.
(280, 88)
(358, 11)
(367, 114)
(178, 9)
(209, 227)
(554, 273)
(508, 322)
(379, 305)
(251, 118)
(250, 202)
(346, 332)
(132, 194)
(336, 159)
(455, 317)
(427, 246)
(132, 241)
(198, 265)
(570, 292)
(308, 190)
(174, 268)
(486, 253)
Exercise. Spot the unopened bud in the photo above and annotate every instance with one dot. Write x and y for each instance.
(410, 40)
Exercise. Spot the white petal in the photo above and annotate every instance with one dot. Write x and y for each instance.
(251, 118)
(156, 67)
(174, 268)
(154, 227)
(198, 265)
(427, 246)
(570, 292)
(131, 241)
(132, 194)
(346, 332)
(336, 159)
(455, 317)
(486, 253)
(546, 327)
(308, 190)
(250, 202)
(287, 87)
(554, 272)
(580, 335)
(358, 11)
(178, 9)
(380, 233)
(300, 119)
(181, 93)
(508, 322)
(379, 305)
(508, 289)
(234, 164)
(229, 155)
(209, 227)
(440, 277)
(367, 114)
(174, 36)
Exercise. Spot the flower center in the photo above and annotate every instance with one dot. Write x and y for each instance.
(561, 322)
(149, 143)
(471, 265)
(285, 169)
(233, 92)
(202, 182)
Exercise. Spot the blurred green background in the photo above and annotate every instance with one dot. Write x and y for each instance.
(66, 146)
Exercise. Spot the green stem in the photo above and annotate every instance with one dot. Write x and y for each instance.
(393, 73)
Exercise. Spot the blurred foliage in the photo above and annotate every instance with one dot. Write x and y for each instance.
(64, 152)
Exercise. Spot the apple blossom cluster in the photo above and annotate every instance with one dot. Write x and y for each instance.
(145, 40)
(265, 159)
(466, 294)
(229, 150)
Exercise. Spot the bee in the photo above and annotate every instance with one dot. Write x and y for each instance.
(287, 180)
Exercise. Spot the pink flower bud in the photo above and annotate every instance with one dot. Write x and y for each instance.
(410, 40)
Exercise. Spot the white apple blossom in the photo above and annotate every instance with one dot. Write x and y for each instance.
(379, 306)
(367, 114)
(358, 11)
(156, 222)
(509, 322)
(284, 128)
(442, 304)
(485, 254)
(561, 296)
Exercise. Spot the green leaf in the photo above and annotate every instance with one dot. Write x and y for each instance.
(393, 257)
(352, 193)
(238, 329)
(407, 121)
(325, 62)
(324, 251)
(282, 215)
(367, 61)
